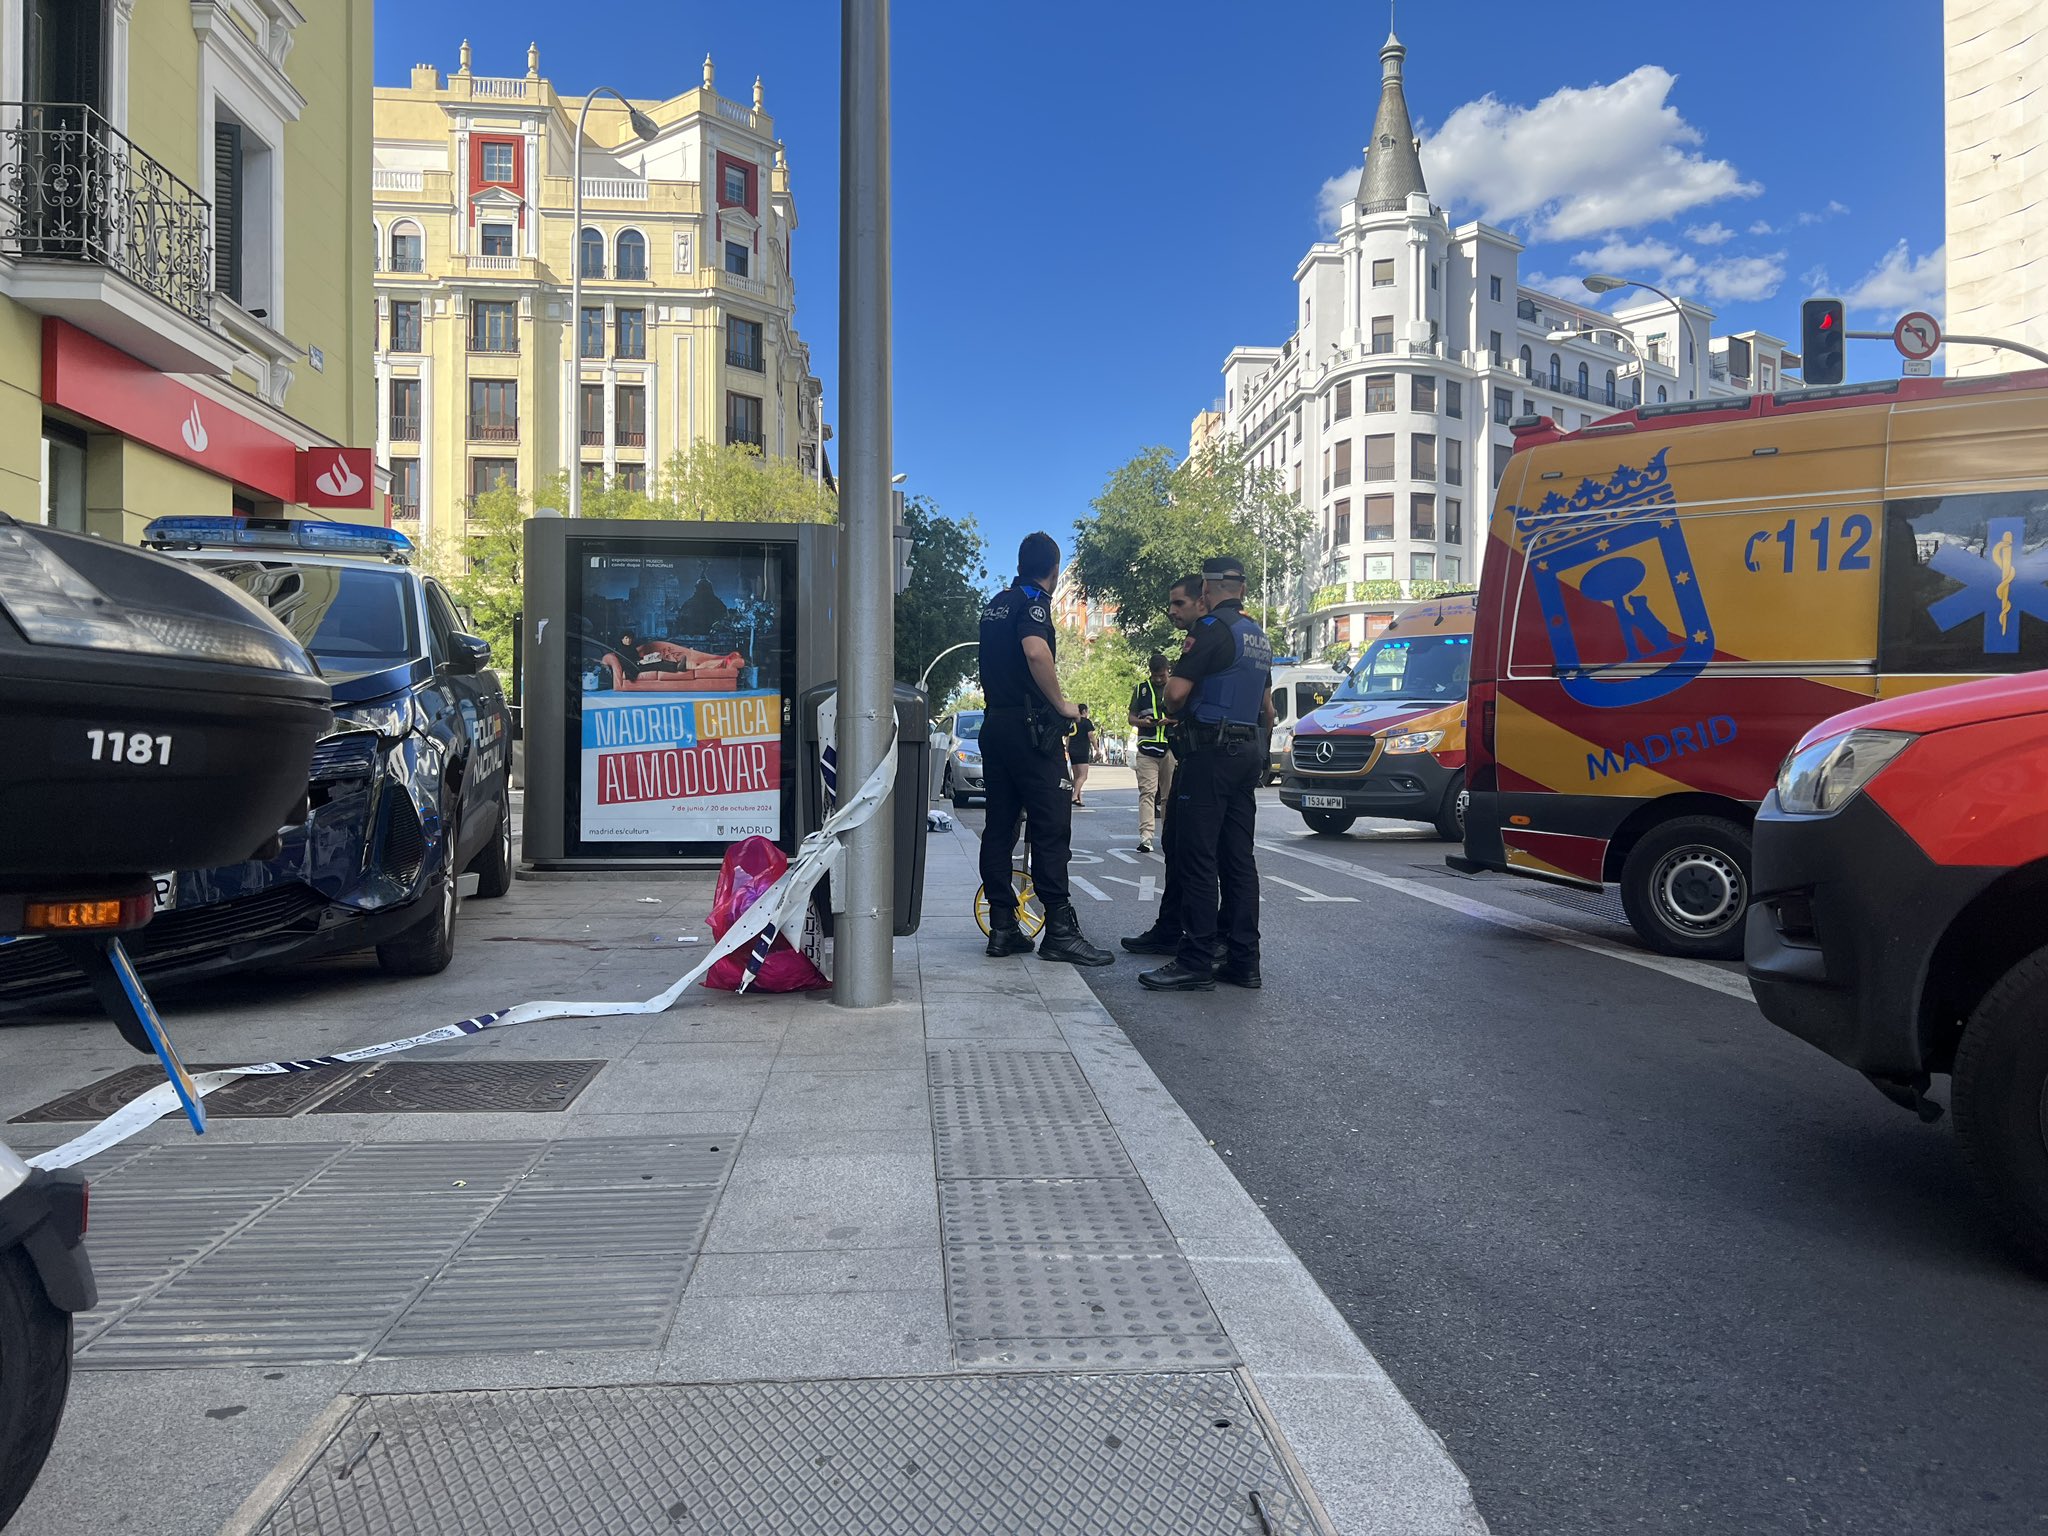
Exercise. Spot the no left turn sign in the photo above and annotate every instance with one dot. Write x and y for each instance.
(1917, 336)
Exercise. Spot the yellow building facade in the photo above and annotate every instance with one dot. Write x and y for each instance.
(686, 327)
(186, 298)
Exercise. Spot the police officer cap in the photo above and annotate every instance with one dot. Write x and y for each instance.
(1223, 568)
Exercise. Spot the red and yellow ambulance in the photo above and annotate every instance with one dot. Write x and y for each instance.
(1671, 597)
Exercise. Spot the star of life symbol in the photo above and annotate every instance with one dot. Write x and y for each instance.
(1606, 532)
(2000, 585)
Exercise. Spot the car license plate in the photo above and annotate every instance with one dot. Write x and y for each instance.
(166, 891)
(1322, 802)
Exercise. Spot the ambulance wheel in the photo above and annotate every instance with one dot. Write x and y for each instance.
(1685, 887)
(1328, 823)
(1450, 820)
(2000, 1096)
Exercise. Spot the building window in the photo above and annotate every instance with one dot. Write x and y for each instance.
(1585, 382)
(1528, 363)
(1454, 521)
(1528, 406)
(1556, 371)
(1341, 475)
(1610, 386)
(590, 253)
(491, 474)
(1657, 344)
(1379, 567)
(1501, 452)
(408, 248)
(1383, 274)
(631, 477)
(405, 487)
(493, 326)
(1493, 293)
(1662, 396)
(733, 185)
(1454, 398)
(590, 415)
(405, 325)
(736, 258)
(1343, 524)
(1422, 451)
(1454, 461)
(1422, 566)
(632, 333)
(405, 411)
(743, 345)
(631, 427)
(1379, 393)
(1379, 518)
(1422, 396)
(496, 240)
(1344, 400)
(632, 262)
(1422, 517)
(497, 163)
(743, 419)
(1383, 333)
(1503, 405)
(1297, 423)
(228, 211)
(494, 410)
(1493, 347)
(1454, 568)
(590, 332)
(1379, 457)
(1432, 277)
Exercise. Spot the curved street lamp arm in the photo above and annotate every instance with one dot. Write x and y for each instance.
(949, 650)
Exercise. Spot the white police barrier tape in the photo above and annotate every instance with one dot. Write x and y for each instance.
(772, 913)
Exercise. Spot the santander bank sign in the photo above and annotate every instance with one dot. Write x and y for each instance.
(101, 383)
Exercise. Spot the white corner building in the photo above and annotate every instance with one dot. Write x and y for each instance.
(1387, 410)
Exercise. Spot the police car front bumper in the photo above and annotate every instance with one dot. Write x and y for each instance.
(1406, 786)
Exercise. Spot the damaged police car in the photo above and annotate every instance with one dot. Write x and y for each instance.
(410, 790)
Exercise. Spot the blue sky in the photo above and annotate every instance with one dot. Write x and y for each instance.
(1094, 203)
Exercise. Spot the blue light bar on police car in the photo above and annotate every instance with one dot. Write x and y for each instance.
(275, 533)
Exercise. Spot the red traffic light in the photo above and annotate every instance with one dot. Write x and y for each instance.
(1827, 322)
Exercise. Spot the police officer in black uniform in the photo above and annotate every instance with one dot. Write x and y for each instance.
(1220, 690)
(1024, 761)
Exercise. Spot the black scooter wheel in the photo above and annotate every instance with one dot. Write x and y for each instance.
(35, 1376)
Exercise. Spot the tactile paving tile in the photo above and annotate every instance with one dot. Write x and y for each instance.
(566, 1224)
(1116, 1213)
(1064, 1293)
(486, 1305)
(1027, 1150)
(520, 1087)
(1134, 1352)
(429, 1168)
(965, 1455)
(967, 1067)
(188, 1167)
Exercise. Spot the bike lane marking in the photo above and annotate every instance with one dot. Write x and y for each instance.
(1694, 971)
(1146, 886)
(1306, 893)
(1089, 886)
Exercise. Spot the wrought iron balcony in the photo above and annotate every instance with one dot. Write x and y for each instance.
(482, 431)
(744, 357)
(405, 427)
(74, 188)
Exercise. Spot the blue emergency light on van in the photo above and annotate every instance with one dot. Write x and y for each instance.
(276, 533)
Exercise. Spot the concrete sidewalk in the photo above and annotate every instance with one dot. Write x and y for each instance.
(752, 1265)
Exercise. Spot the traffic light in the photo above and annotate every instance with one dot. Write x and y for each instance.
(1822, 333)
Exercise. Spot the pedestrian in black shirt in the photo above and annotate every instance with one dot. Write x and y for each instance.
(1081, 752)
(1220, 687)
(1023, 761)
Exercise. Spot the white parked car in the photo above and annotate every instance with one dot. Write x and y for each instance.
(958, 738)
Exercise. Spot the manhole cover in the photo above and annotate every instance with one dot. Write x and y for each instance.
(270, 1096)
(531, 1087)
(1073, 1455)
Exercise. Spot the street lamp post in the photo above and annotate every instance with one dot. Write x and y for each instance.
(1607, 282)
(647, 129)
(949, 650)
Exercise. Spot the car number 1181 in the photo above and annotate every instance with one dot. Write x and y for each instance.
(137, 747)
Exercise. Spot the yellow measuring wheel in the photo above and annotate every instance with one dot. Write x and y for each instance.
(1030, 915)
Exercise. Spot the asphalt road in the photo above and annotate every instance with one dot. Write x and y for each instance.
(1644, 1262)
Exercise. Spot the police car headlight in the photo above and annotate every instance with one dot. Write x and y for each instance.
(1415, 741)
(390, 721)
(1820, 779)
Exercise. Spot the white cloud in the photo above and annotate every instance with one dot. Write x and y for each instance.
(1815, 280)
(1715, 233)
(1828, 212)
(1658, 260)
(1743, 279)
(1580, 162)
(1761, 227)
(1335, 193)
(1899, 283)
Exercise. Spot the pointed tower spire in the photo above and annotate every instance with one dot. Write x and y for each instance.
(1393, 169)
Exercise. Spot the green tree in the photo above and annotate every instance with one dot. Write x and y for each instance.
(710, 482)
(1158, 518)
(485, 567)
(1101, 673)
(942, 605)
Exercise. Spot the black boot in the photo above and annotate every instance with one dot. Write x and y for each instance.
(1174, 977)
(1004, 936)
(1063, 940)
(1153, 941)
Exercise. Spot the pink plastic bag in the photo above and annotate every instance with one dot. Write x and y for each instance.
(750, 867)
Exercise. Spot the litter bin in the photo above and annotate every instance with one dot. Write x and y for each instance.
(906, 804)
